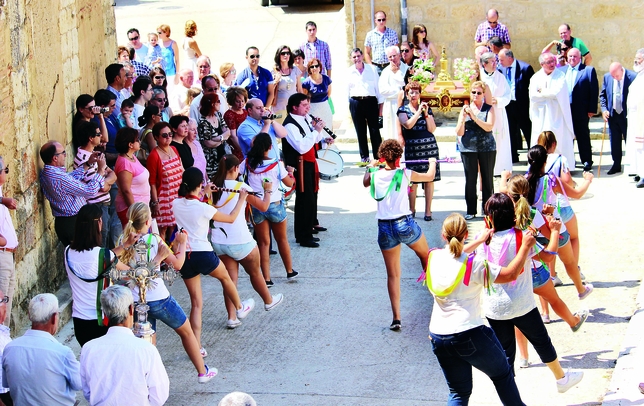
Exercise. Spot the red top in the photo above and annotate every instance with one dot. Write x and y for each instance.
(155, 167)
(233, 120)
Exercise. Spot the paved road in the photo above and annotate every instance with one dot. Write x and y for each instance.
(329, 343)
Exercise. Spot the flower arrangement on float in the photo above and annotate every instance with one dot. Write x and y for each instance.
(423, 71)
(465, 70)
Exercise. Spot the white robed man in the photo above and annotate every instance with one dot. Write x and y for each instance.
(550, 106)
(501, 96)
(392, 80)
(635, 117)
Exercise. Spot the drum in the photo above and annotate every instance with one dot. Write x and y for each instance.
(330, 163)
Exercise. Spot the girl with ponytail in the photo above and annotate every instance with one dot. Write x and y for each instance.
(233, 243)
(526, 216)
(456, 281)
(257, 166)
(193, 216)
(163, 306)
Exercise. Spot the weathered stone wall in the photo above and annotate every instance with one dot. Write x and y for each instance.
(52, 51)
(609, 30)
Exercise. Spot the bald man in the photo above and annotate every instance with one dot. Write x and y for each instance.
(583, 90)
(492, 28)
(612, 100)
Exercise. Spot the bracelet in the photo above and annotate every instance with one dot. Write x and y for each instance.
(154, 203)
(268, 191)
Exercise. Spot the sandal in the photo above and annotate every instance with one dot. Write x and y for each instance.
(427, 218)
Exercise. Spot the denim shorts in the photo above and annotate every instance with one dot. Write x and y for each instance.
(168, 311)
(235, 251)
(563, 239)
(540, 276)
(566, 213)
(276, 213)
(199, 263)
(401, 230)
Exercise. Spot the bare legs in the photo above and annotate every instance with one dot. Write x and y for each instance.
(251, 266)
(262, 232)
(429, 195)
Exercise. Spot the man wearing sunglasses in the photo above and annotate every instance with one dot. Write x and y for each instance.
(377, 41)
(8, 244)
(68, 192)
(140, 49)
(257, 81)
(492, 28)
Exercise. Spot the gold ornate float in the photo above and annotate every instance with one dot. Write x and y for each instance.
(445, 93)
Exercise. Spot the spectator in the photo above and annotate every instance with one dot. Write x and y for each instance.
(132, 177)
(67, 192)
(179, 93)
(210, 84)
(287, 80)
(151, 116)
(120, 368)
(490, 28)
(165, 170)
(160, 100)
(195, 147)
(566, 42)
(256, 80)
(8, 244)
(142, 90)
(228, 74)
(314, 47)
(318, 86)
(140, 49)
(213, 133)
(190, 48)
(5, 338)
(107, 121)
(125, 117)
(115, 75)
(298, 61)
(140, 68)
(89, 138)
(57, 376)
(129, 79)
(154, 57)
(86, 110)
(237, 98)
(170, 53)
(203, 70)
(377, 40)
(423, 48)
(179, 126)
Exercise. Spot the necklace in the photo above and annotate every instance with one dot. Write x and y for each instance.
(131, 158)
(168, 154)
(282, 71)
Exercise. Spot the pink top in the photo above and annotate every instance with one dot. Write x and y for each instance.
(140, 186)
(200, 158)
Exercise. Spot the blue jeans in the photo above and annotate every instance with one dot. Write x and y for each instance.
(168, 311)
(276, 213)
(478, 348)
(540, 276)
(401, 230)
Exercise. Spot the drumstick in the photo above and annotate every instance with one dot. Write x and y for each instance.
(326, 160)
(423, 161)
(325, 150)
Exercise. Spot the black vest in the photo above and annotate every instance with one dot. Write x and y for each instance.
(291, 156)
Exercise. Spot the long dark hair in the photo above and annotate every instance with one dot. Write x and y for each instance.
(225, 164)
(81, 101)
(501, 209)
(261, 144)
(192, 177)
(537, 157)
(150, 110)
(87, 234)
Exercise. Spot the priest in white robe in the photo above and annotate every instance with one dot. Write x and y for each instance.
(550, 106)
(392, 81)
(501, 96)
(635, 117)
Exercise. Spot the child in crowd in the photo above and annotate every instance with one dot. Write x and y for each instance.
(125, 118)
(154, 57)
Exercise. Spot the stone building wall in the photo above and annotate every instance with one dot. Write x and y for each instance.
(608, 29)
(51, 51)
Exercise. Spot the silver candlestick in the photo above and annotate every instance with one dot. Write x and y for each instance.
(142, 275)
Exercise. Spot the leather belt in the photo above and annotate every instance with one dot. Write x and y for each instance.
(380, 65)
(362, 97)
(7, 249)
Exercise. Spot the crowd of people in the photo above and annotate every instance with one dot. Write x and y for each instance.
(172, 155)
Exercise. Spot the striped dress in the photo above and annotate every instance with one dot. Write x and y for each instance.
(167, 176)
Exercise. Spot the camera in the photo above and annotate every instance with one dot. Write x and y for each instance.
(271, 116)
(559, 48)
(105, 109)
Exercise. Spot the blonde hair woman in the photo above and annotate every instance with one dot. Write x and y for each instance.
(190, 48)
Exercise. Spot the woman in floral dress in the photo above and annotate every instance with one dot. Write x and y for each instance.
(212, 133)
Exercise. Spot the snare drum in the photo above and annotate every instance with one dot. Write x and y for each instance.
(330, 163)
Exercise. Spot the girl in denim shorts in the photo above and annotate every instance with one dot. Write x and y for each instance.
(233, 242)
(542, 285)
(390, 188)
(255, 168)
(162, 305)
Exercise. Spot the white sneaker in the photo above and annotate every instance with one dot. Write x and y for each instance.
(247, 306)
(210, 373)
(523, 363)
(572, 379)
(277, 299)
(231, 324)
(556, 281)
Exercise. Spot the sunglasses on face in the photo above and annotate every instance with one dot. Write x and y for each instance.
(159, 77)
(61, 153)
(165, 135)
(477, 93)
(405, 51)
(161, 100)
(98, 134)
(315, 66)
(253, 56)
(285, 53)
(381, 19)
(423, 32)
(134, 38)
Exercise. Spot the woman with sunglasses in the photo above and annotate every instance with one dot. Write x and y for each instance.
(318, 86)
(423, 48)
(169, 53)
(160, 99)
(86, 109)
(151, 116)
(287, 80)
(477, 146)
(407, 55)
(164, 165)
(213, 132)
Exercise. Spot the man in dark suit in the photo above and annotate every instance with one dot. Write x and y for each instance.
(518, 74)
(612, 100)
(583, 89)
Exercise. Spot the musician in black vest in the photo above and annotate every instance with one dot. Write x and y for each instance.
(301, 142)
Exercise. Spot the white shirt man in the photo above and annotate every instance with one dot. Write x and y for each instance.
(119, 368)
(391, 82)
(501, 96)
(550, 106)
(635, 117)
(179, 92)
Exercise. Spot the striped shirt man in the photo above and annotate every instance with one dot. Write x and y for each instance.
(81, 157)
(68, 192)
